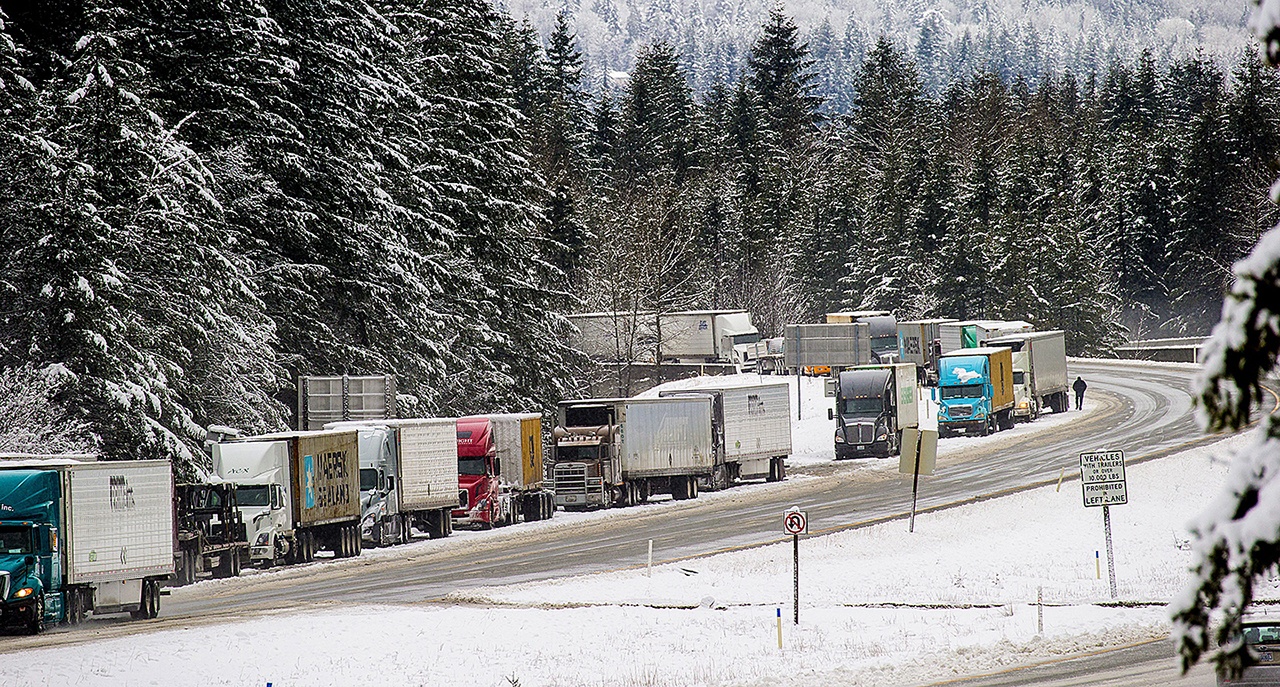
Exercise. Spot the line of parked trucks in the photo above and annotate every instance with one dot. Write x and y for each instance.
(78, 536)
(988, 375)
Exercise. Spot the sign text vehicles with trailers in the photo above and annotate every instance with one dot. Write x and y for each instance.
(955, 336)
(920, 342)
(83, 537)
(975, 391)
(500, 471)
(408, 477)
(1040, 371)
(325, 399)
(839, 345)
(873, 405)
(298, 491)
(883, 329)
(752, 430)
(1102, 478)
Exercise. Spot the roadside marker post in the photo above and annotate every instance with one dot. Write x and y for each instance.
(1103, 483)
(779, 629)
(795, 523)
(649, 568)
(1097, 564)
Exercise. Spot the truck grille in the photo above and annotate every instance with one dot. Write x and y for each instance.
(571, 478)
(960, 411)
(4, 585)
(464, 498)
(860, 433)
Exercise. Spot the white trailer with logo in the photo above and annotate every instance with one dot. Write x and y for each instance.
(752, 431)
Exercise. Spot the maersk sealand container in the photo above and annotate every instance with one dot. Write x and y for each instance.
(79, 537)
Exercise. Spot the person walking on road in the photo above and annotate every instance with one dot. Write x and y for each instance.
(1079, 388)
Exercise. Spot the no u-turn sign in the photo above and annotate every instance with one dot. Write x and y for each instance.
(795, 522)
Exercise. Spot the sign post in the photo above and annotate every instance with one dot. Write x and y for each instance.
(918, 456)
(796, 523)
(1103, 483)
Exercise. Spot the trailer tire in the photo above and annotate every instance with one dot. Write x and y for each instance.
(679, 488)
(693, 487)
(75, 606)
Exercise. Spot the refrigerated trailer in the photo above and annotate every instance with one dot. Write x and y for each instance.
(752, 431)
(1039, 371)
(83, 537)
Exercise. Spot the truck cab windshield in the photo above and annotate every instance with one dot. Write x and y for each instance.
(15, 540)
(577, 453)
(368, 479)
(962, 391)
(253, 495)
(862, 406)
(471, 466)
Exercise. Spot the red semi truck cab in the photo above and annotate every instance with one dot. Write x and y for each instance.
(500, 471)
(480, 497)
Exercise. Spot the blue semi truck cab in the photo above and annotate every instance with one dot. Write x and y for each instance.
(79, 537)
(975, 391)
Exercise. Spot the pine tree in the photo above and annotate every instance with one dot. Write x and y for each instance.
(782, 75)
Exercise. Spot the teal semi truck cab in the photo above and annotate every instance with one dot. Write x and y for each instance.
(975, 391)
(80, 537)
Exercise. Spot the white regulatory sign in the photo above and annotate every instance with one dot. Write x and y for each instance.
(795, 521)
(1102, 478)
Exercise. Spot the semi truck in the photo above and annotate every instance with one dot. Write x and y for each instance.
(882, 328)
(408, 477)
(751, 425)
(920, 342)
(298, 492)
(1039, 371)
(500, 473)
(975, 391)
(80, 537)
(620, 451)
(211, 534)
(974, 333)
(874, 404)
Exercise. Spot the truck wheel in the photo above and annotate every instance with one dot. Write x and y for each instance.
(679, 488)
(693, 487)
(36, 624)
(235, 564)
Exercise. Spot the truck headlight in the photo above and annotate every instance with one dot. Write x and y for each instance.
(882, 436)
(263, 539)
(839, 439)
(24, 592)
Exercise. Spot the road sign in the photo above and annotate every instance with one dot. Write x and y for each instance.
(795, 522)
(1102, 478)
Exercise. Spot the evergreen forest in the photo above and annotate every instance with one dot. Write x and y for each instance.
(200, 201)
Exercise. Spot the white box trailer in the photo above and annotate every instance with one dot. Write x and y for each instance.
(1040, 370)
(705, 335)
(121, 520)
(665, 437)
(615, 336)
(975, 333)
(421, 457)
(755, 423)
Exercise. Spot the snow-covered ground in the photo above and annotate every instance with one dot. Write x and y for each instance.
(879, 606)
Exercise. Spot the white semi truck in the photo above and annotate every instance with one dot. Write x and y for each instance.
(298, 492)
(619, 451)
(408, 477)
(1039, 372)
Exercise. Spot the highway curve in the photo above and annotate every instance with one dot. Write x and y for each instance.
(1143, 409)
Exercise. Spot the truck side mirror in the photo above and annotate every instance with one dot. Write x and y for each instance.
(29, 560)
(831, 414)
